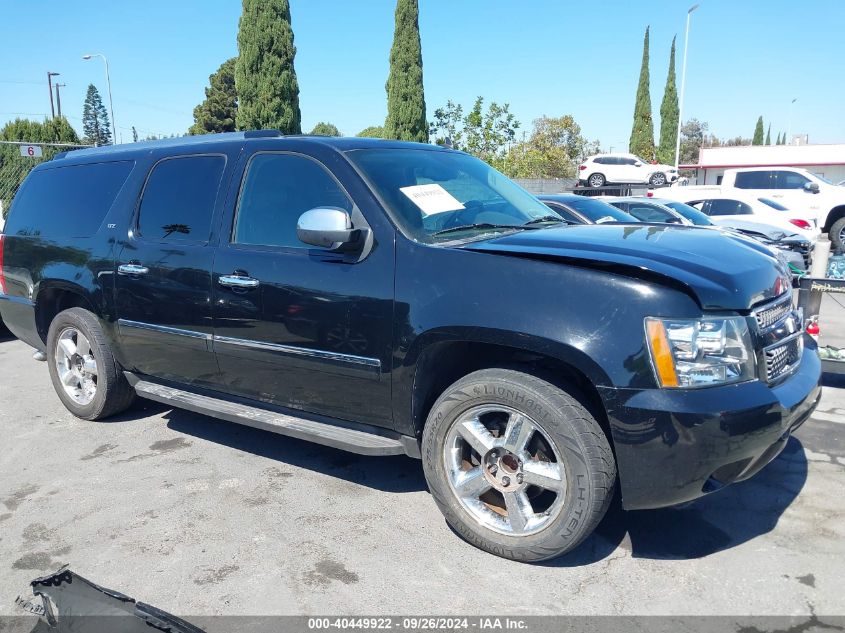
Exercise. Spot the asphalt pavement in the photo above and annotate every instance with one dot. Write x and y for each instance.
(201, 517)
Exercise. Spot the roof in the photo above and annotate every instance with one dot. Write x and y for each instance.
(343, 143)
(769, 156)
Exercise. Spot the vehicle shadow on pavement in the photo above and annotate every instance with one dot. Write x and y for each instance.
(395, 473)
(720, 521)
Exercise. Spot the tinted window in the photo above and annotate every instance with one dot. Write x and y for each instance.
(178, 200)
(277, 190)
(690, 213)
(753, 180)
(651, 213)
(601, 160)
(67, 201)
(729, 207)
(789, 180)
(627, 161)
(563, 212)
(598, 211)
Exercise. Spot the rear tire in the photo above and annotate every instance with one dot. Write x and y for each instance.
(85, 374)
(596, 181)
(837, 234)
(518, 466)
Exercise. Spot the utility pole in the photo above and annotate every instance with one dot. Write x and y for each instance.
(683, 88)
(50, 88)
(59, 98)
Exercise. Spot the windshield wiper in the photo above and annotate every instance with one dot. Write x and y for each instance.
(482, 225)
(546, 218)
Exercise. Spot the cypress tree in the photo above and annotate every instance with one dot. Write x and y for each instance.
(758, 132)
(265, 79)
(769, 135)
(405, 96)
(669, 115)
(95, 120)
(783, 139)
(218, 111)
(642, 133)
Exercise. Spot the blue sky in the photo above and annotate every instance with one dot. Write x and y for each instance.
(552, 57)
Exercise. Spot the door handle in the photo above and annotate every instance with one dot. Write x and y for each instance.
(237, 281)
(132, 269)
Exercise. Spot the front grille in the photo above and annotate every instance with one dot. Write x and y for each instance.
(771, 314)
(783, 358)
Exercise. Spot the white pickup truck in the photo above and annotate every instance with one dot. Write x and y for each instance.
(798, 190)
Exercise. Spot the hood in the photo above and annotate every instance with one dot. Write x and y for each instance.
(721, 271)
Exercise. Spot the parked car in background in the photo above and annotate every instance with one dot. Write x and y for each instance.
(575, 209)
(647, 210)
(799, 190)
(617, 169)
(742, 210)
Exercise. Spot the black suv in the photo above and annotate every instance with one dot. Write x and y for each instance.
(396, 298)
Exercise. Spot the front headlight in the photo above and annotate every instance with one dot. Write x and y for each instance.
(700, 352)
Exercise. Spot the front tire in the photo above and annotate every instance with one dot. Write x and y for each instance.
(657, 180)
(837, 234)
(84, 372)
(518, 466)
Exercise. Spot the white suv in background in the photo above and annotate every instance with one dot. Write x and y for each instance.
(799, 190)
(618, 169)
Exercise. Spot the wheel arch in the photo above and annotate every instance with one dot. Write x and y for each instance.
(441, 360)
(56, 296)
(835, 214)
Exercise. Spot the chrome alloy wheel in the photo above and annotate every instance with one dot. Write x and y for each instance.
(504, 470)
(658, 179)
(76, 365)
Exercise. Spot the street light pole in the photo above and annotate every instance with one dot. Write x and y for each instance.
(59, 98)
(50, 87)
(789, 127)
(683, 87)
(108, 85)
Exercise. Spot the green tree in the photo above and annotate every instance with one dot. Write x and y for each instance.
(482, 133)
(265, 79)
(642, 133)
(693, 138)
(217, 113)
(326, 129)
(95, 120)
(448, 124)
(783, 139)
(669, 115)
(134, 135)
(406, 119)
(552, 151)
(757, 139)
(769, 135)
(374, 131)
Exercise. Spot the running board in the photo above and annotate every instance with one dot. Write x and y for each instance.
(344, 438)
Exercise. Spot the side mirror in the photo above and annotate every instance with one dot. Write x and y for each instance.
(638, 164)
(327, 227)
(811, 187)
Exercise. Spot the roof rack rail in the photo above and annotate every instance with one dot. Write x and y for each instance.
(262, 133)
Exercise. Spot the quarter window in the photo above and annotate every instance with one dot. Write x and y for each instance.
(279, 188)
(178, 200)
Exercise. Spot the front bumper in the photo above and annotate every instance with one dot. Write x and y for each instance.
(675, 445)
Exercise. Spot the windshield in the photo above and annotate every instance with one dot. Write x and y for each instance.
(774, 205)
(598, 211)
(690, 213)
(437, 195)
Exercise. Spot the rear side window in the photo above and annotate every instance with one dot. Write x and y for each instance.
(178, 200)
(67, 201)
(729, 207)
(753, 180)
(279, 188)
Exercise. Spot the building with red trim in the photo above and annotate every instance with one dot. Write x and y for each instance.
(827, 161)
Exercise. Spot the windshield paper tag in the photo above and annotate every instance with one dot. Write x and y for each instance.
(432, 199)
